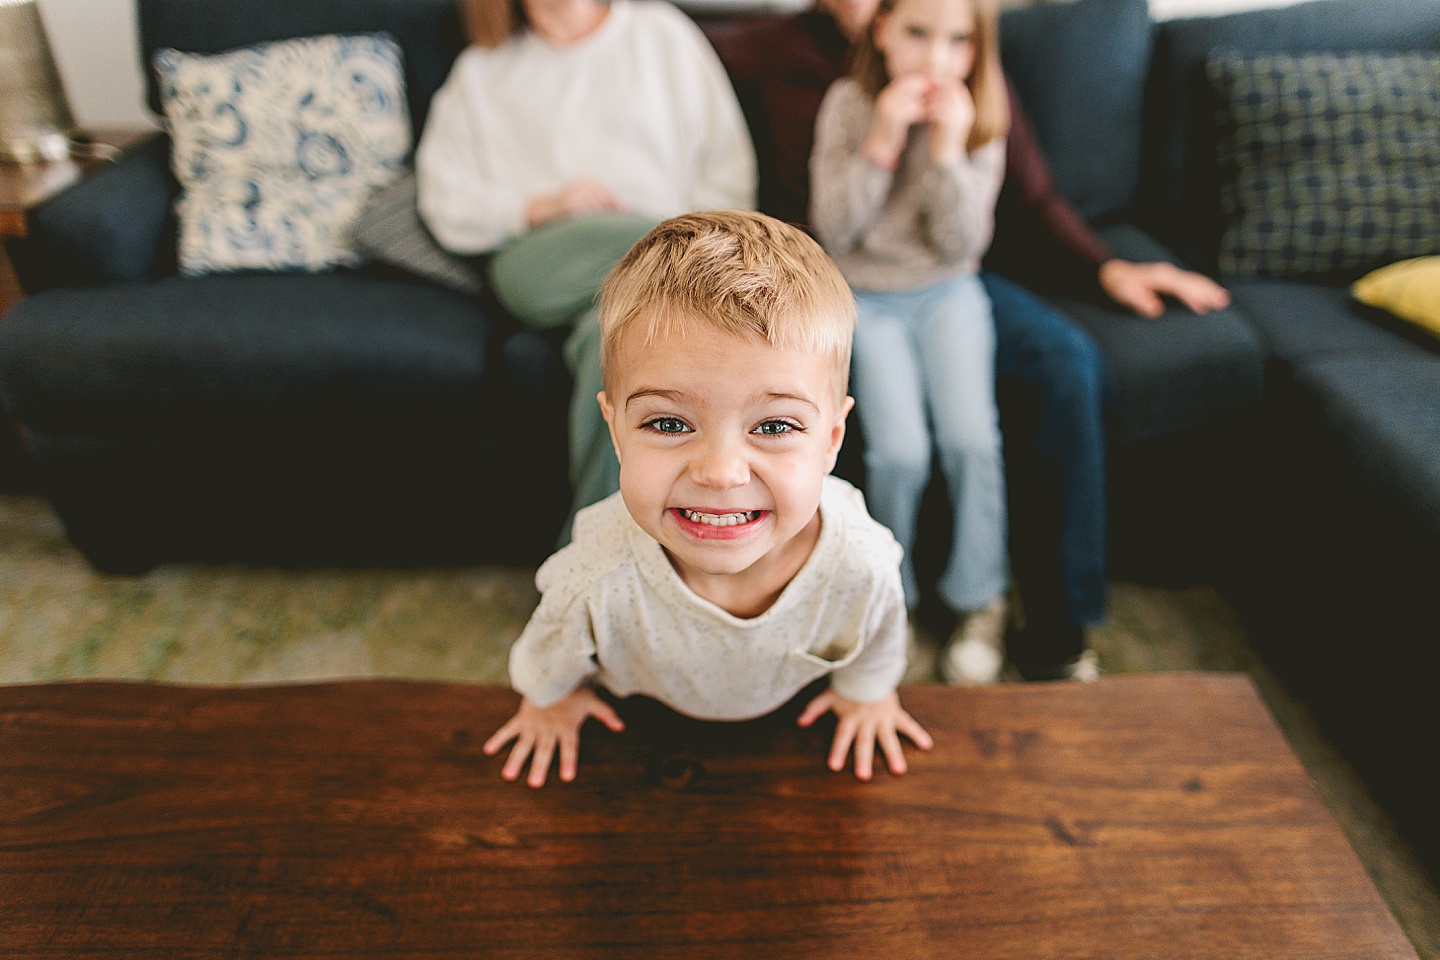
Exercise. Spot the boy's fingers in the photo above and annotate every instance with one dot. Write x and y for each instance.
(894, 753)
(540, 763)
(840, 746)
(569, 757)
(499, 738)
(606, 714)
(516, 761)
(814, 710)
(865, 753)
(912, 729)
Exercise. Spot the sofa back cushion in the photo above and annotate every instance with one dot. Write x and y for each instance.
(1180, 189)
(1080, 69)
(1328, 162)
(428, 32)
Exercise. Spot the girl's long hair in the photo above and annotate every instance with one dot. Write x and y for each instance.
(986, 80)
(489, 23)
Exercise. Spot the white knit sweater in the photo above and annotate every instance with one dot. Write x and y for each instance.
(642, 104)
(614, 612)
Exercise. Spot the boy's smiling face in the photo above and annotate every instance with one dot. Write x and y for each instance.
(724, 443)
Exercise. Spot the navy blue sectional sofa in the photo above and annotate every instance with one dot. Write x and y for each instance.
(1288, 447)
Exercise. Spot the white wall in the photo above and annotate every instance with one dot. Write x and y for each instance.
(96, 47)
(1171, 9)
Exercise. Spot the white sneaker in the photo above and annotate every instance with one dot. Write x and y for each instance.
(1084, 668)
(976, 652)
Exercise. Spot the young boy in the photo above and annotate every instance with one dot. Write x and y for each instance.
(730, 570)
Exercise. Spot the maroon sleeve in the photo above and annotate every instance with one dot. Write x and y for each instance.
(1030, 179)
(742, 45)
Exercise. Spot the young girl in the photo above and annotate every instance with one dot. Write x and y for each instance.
(908, 161)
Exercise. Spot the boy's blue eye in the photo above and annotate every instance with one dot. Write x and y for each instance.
(666, 425)
(774, 428)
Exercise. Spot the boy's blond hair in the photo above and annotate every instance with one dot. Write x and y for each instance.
(737, 271)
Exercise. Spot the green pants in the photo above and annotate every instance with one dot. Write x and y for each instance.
(551, 277)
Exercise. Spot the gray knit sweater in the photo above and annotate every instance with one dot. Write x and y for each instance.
(901, 229)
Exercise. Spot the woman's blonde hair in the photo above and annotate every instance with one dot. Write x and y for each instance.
(744, 273)
(986, 80)
(489, 23)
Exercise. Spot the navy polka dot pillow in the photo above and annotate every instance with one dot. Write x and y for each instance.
(1329, 164)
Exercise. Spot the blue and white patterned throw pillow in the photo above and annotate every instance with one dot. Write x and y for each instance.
(278, 148)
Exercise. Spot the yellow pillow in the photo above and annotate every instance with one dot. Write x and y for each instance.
(1410, 289)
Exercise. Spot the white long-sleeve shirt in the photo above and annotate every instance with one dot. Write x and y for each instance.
(642, 105)
(614, 612)
(901, 229)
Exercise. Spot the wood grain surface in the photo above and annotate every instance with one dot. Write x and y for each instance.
(1148, 816)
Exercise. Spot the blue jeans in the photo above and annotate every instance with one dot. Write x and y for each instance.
(1053, 379)
(923, 376)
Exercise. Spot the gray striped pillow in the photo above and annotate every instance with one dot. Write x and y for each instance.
(390, 231)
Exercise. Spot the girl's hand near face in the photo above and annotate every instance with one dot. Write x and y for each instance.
(538, 731)
(901, 105)
(578, 198)
(951, 111)
(862, 725)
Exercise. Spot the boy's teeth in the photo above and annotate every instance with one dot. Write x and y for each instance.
(719, 519)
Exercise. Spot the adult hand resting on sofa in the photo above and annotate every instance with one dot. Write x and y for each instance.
(1140, 286)
(559, 139)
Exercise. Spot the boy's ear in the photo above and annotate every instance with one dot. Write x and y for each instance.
(837, 431)
(608, 412)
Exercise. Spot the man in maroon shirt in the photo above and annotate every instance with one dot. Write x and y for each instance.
(1050, 368)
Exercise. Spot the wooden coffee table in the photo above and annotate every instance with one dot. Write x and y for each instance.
(1155, 816)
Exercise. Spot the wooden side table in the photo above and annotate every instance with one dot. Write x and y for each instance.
(25, 186)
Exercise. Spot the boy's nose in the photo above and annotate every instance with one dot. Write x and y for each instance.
(720, 465)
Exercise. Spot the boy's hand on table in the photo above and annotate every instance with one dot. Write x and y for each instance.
(537, 731)
(863, 725)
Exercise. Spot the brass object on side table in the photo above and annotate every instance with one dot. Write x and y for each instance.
(35, 118)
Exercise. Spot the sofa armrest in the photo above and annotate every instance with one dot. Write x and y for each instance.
(105, 229)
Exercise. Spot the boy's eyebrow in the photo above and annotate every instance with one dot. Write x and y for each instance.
(676, 396)
(793, 396)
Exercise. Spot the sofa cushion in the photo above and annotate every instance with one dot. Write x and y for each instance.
(107, 228)
(1179, 187)
(1301, 320)
(1327, 162)
(428, 32)
(1383, 410)
(278, 147)
(1174, 373)
(1409, 290)
(131, 359)
(1080, 70)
